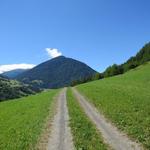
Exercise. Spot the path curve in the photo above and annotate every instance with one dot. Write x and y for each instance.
(61, 138)
(110, 133)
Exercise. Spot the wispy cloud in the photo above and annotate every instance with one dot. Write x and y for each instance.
(5, 68)
(53, 52)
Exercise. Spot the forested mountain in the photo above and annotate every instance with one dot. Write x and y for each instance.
(57, 72)
(13, 73)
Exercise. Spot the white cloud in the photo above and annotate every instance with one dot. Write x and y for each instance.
(53, 52)
(5, 68)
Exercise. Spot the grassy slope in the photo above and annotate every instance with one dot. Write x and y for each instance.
(85, 134)
(22, 120)
(124, 99)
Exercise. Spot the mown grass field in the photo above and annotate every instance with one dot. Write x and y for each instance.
(22, 120)
(125, 100)
(85, 135)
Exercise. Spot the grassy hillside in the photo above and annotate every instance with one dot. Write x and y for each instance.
(22, 120)
(85, 135)
(124, 99)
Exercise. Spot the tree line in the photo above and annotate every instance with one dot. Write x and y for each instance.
(140, 58)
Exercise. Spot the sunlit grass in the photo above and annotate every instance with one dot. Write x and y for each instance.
(124, 99)
(85, 135)
(22, 120)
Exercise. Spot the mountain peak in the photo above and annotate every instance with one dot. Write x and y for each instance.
(59, 57)
(58, 72)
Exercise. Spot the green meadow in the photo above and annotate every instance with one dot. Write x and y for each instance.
(85, 134)
(22, 120)
(125, 100)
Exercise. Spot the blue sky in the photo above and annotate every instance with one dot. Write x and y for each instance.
(97, 32)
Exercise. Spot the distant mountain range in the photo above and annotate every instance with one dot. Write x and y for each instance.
(57, 72)
(14, 73)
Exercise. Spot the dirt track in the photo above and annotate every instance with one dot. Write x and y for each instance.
(61, 138)
(110, 133)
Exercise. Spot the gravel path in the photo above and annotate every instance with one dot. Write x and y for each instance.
(61, 138)
(110, 133)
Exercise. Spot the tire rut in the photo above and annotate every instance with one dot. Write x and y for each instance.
(110, 133)
(61, 138)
